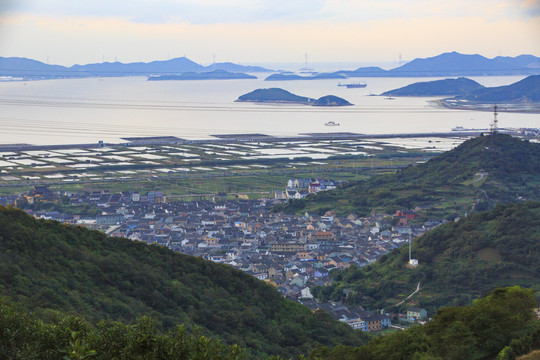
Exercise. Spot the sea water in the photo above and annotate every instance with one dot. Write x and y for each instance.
(75, 111)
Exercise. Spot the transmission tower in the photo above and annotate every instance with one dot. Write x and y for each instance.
(494, 125)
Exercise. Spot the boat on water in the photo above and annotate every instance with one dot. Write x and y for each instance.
(331, 123)
(354, 85)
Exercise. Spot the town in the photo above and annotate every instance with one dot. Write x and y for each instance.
(292, 253)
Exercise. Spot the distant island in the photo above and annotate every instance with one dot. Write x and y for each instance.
(274, 95)
(280, 96)
(444, 87)
(331, 100)
(455, 64)
(211, 75)
(521, 96)
(321, 76)
(368, 71)
(28, 69)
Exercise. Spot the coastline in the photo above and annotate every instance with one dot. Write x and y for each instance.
(238, 138)
(523, 108)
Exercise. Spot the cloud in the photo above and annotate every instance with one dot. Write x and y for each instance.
(163, 11)
(287, 11)
(86, 39)
(531, 7)
(266, 30)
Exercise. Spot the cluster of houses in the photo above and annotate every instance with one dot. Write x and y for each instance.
(293, 253)
(300, 188)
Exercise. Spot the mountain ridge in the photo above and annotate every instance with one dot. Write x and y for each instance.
(455, 64)
(446, 64)
(33, 69)
(475, 175)
(526, 90)
(444, 87)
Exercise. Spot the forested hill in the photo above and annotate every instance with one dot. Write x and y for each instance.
(500, 326)
(526, 90)
(457, 86)
(274, 95)
(46, 265)
(503, 157)
(475, 175)
(457, 263)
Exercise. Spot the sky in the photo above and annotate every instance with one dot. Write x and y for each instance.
(68, 32)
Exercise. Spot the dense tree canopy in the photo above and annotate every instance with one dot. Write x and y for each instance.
(511, 169)
(499, 326)
(46, 266)
(457, 262)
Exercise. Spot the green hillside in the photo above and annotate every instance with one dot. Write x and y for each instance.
(46, 266)
(474, 176)
(500, 326)
(24, 336)
(436, 88)
(526, 90)
(457, 262)
(274, 95)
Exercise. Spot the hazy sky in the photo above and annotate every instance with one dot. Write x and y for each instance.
(258, 31)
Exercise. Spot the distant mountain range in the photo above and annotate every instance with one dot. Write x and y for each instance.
(455, 64)
(32, 69)
(447, 64)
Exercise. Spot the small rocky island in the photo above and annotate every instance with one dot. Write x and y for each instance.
(274, 95)
(331, 100)
(210, 75)
(280, 96)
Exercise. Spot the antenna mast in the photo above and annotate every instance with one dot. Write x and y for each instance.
(494, 125)
(410, 248)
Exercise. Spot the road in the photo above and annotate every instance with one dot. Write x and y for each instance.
(408, 297)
